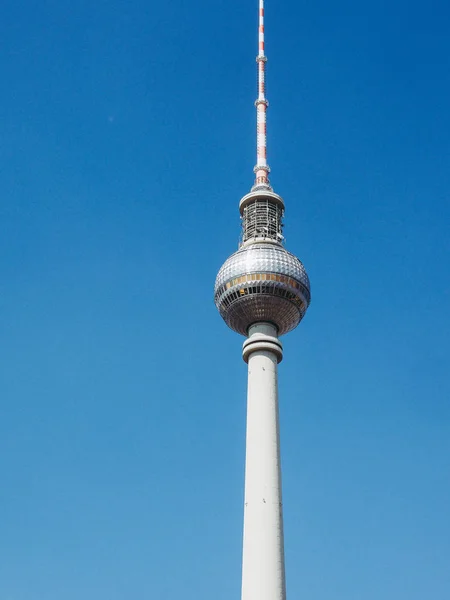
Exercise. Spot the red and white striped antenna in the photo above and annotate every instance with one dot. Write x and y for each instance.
(261, 169)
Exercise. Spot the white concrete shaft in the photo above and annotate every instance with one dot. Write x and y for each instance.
(263, 576)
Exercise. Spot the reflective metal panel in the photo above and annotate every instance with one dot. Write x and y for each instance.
(262, 282)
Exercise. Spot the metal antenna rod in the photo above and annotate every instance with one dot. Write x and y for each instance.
(262, 168)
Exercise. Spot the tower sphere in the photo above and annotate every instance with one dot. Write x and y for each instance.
(262, 282)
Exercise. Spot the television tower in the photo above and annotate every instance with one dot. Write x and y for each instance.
(262, 291)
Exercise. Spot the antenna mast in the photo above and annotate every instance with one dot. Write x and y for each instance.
(261, 169)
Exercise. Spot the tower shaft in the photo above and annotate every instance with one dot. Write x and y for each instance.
(263, 576)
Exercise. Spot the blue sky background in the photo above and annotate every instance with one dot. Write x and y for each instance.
(127, 140)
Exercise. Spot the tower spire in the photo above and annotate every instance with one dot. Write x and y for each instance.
(262, 168)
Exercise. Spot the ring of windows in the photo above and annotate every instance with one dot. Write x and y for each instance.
(250, 278)
(262, 285)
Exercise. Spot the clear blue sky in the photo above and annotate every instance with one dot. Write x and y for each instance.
(127, 140)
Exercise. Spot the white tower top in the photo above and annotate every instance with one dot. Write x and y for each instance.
(262, 281)
(262, 168)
